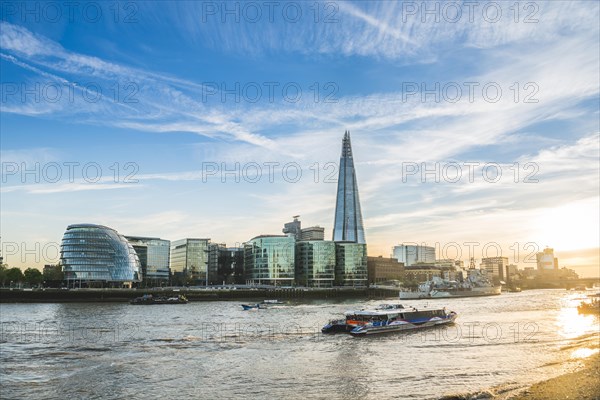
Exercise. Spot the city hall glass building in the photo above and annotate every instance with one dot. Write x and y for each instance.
(96, 253)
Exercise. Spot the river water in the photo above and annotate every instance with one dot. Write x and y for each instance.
(216, 350)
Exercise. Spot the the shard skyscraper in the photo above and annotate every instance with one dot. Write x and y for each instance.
(348, 225)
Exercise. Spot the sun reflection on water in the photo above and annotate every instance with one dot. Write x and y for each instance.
(583, 352)
(571, 324)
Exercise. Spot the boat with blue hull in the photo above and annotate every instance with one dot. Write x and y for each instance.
(389, 318)
(263, 305)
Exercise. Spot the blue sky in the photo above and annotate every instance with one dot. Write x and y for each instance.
(137, 87)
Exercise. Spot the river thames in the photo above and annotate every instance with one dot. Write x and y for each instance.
(216, 350)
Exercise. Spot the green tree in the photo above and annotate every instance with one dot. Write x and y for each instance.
(3, 270)
(33, 276)
(14, 275)
(53, 276)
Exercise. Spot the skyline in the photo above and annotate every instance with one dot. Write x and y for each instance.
(390, 81)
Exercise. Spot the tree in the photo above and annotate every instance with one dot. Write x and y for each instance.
(53, 275)
(14, 275)
(33, 276)
(3, 271)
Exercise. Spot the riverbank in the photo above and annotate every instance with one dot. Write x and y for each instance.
(583, 384)
(125, 295)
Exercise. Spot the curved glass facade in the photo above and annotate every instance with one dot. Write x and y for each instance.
(98, 253)
(270, 260)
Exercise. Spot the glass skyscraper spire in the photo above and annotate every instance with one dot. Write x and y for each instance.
(348, 225)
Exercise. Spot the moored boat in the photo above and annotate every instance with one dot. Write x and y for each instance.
(148, 299)
(389, 318)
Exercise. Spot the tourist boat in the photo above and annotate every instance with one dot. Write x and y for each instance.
(389, 318)
(476, 284)
(148, 299)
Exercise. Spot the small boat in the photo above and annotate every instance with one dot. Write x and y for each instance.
(264, 304)
(248, 307)
(389, 318)
(148, 299)
(592, 307)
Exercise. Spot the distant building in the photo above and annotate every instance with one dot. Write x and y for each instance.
(351, 264)
(315, 263)
(293, 228)
(98, 254)
(312, 233)
(567, 273)
(512, 272)
(495, 266)
(270, 260)
(383, 269)
(449, 263)
(189, 260)
(546, 260)
(413, 254)
(154, 254)
(529, 273)
(420, 273)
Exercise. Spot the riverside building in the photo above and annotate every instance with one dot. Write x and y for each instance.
(154, 254)
(97, 255)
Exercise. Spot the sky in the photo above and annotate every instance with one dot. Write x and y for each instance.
(474, 125)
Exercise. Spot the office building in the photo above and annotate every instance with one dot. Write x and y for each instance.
(546, 261)
(409, 254)
(315, 263)
(189, 260)
(496, 267)
(230, 265)
(351, 264)
(270, 260)
(384, 269)
(293, 228)
(312, 233)
(154, 255)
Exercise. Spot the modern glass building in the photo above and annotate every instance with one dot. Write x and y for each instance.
(348, 224)
(189, 260)
(413, 254)
(269, 260)
(153, 254)
(351, 264)
(230, 265)
(315, 263)
(95, 253)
